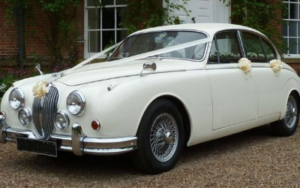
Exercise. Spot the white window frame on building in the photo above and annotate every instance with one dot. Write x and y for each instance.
(95, 33)
(291, 30)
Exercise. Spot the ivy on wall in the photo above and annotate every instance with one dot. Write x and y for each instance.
(262, 15)
(59, 34)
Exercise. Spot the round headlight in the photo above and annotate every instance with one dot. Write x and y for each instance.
(76, 103)
(24, 116)
(16, 99)
(61, 120)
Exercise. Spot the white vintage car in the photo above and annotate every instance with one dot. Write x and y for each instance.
(160, 90)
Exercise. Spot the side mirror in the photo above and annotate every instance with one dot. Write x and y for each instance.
(150, 66)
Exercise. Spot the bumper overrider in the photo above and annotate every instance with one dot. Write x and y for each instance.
(78, 142)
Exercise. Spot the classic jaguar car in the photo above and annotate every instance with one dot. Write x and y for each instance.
(160, 90)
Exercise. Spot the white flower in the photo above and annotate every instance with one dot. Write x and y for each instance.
(245, 65)
(40, 89)
(276, 65)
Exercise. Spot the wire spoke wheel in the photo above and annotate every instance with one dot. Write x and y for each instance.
(288, 125)
(291, 113)
(161, 138)
(164, 137)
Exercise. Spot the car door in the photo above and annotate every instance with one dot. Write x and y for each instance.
(270, 85)
(234, 93)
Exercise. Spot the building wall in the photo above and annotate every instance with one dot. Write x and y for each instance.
(35, 41)
(80, 27)
(8, 35)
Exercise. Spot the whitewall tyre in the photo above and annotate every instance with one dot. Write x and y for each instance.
(160, 138)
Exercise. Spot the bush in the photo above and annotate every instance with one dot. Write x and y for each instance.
(5, 83)
(9, 75)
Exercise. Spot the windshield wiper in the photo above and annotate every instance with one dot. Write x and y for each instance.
(114, 58)
(152, 57)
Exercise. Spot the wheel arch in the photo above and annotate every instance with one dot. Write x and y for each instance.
(291, 87)
(297, 95)
(183, 111)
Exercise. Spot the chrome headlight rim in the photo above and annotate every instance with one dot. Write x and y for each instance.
(22, 98)
(82, 102)
(66, 118)
(29, 116)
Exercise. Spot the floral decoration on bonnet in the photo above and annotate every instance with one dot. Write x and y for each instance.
(276, 65)
(40, 89)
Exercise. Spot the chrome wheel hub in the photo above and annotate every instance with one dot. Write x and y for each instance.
(291, 112)
(164, 137)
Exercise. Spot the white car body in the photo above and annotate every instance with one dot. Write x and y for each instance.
(217, 99)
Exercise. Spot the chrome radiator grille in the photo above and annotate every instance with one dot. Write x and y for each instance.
(43, 112)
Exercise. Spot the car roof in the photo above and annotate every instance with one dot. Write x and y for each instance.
(209, 28)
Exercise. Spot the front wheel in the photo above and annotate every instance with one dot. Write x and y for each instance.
(160, 138)
(288, 125)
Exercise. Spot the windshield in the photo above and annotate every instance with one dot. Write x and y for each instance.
(142, 43)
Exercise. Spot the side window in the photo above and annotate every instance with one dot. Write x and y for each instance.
(228, 46)
(270, 53)
(253, 47)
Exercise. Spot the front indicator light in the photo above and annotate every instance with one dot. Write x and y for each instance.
(61, 120)
(96, 125)
(24, 116)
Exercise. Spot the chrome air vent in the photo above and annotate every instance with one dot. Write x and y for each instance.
(43, 112)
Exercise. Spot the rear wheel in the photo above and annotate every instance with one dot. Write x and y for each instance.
(288, 125)
(160, 138)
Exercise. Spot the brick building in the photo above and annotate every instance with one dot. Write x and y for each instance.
(99, 27)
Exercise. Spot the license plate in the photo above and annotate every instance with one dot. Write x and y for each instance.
(41, 147)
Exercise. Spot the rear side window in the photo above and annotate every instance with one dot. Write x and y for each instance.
(253, 47)
(270, 53)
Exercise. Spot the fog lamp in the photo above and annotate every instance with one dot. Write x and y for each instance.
(2, 116)
(61, 120)
(24, 116)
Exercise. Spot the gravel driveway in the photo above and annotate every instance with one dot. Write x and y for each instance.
(250, 159)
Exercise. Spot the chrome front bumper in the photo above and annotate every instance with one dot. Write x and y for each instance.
(78, 142)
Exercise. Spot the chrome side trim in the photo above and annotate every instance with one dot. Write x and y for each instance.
(235, 66)
(107, 151)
